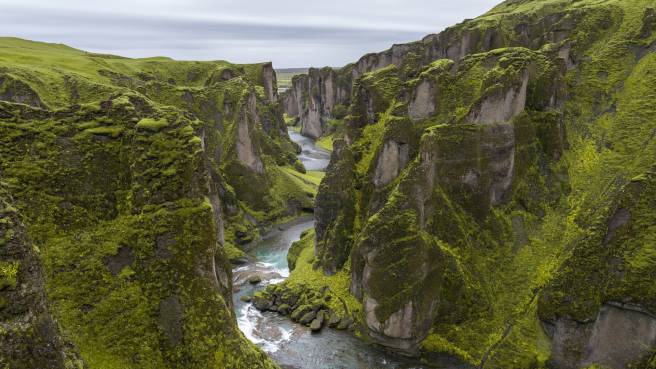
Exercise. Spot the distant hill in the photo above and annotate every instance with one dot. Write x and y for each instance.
(285, 76)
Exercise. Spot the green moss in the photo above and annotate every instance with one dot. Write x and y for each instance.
(8, 273)
(290, 121)
(373, 94)
(306, 276)
(306, 241)
(113, 132)
(114, 189)
(437, 343)
(325, 142)
(232, 252)
(153, 125)
(582, 148)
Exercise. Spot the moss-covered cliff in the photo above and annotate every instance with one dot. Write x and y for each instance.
(135, 180)
(494, 188)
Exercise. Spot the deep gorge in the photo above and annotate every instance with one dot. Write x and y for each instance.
(480, 198)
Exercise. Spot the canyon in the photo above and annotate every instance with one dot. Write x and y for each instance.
(480, 198)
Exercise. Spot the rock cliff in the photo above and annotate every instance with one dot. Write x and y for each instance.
(30, 336)
(128, 175)
(493, 184)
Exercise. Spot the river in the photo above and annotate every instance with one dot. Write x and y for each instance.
(292, 345)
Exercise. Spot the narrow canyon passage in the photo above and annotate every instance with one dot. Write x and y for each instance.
(290, 344)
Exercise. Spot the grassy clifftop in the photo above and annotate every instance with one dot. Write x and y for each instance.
(131, 179)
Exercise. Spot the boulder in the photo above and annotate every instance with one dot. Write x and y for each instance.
(254, 279)
(308, 318)
(300, 312)
(261, 303)
(284, 309)
(333, 319)
(345, 323)
(316, 325)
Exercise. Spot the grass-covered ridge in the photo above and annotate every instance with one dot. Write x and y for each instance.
(129, 174)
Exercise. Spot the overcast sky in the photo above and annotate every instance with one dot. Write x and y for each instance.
(291, 33)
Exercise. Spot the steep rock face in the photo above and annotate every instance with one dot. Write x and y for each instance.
(475, 165)
(247, 150)
(501, 106)
(313, 97)
(618, 337)
(400, 273)
(622, 330)
(311, 119)
(530, 157)
(335, 209)
(372, 94)
(30, 337)
(422, 104)
(499, 28)
(391, 162)
(269, 82)
(127, 193)
(475, 162)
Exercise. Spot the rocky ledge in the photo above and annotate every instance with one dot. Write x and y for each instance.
(304, 306)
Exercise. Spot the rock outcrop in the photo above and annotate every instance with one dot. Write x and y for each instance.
(133, 198)
(247, 150)
(269, 82)
(15, 90)
(422, 104)
(618, 337)
(30, 336)
(501, 106)
(313, 97)
(493, 180)
(390, 162)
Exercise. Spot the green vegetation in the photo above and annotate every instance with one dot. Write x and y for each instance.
(8, 272)
(308, 276)
(500, 222)
(148, 124)
(496, 185)
(127, 175)
(326, 143)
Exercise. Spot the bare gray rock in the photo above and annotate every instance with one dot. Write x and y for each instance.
(503, 106)
(170, 318)
(270, 82)
(422, 104)
(391, 161)
(247, 151)
(619, 336)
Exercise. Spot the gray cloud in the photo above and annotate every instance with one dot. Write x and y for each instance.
(289, 32)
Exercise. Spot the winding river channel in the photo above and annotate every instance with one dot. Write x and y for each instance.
(292, 345)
